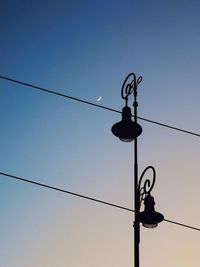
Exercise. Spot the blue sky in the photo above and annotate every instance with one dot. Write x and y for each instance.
(85, 49)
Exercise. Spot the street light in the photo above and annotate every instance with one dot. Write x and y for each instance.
(127, 130)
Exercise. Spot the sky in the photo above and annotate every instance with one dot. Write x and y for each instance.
(86, 49)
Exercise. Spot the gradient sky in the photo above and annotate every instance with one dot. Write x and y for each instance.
(86, 49)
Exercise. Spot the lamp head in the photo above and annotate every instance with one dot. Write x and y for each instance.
(126, 130)
(149, 217)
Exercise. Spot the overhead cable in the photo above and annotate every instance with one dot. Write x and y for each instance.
(87, 197)
(95, 105)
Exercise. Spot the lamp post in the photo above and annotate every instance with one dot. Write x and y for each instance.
(127, 130)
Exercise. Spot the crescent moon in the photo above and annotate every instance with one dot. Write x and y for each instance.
(99, 99)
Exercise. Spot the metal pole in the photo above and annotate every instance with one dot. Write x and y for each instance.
(136, 192)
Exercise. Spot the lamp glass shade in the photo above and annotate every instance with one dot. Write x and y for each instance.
(149, 217)
(126, 130)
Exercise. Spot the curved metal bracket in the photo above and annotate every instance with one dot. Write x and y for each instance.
(147, 184)
(130, 87)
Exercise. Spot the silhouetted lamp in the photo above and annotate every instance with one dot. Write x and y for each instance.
(126, 130)
(149, 217)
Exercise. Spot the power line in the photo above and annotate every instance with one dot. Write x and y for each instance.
(58, 94)
(96, 105)
(182, 224)
(64, 191)
(87, 197)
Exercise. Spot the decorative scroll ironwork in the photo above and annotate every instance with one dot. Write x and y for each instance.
(129, 88)
(145, 186)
